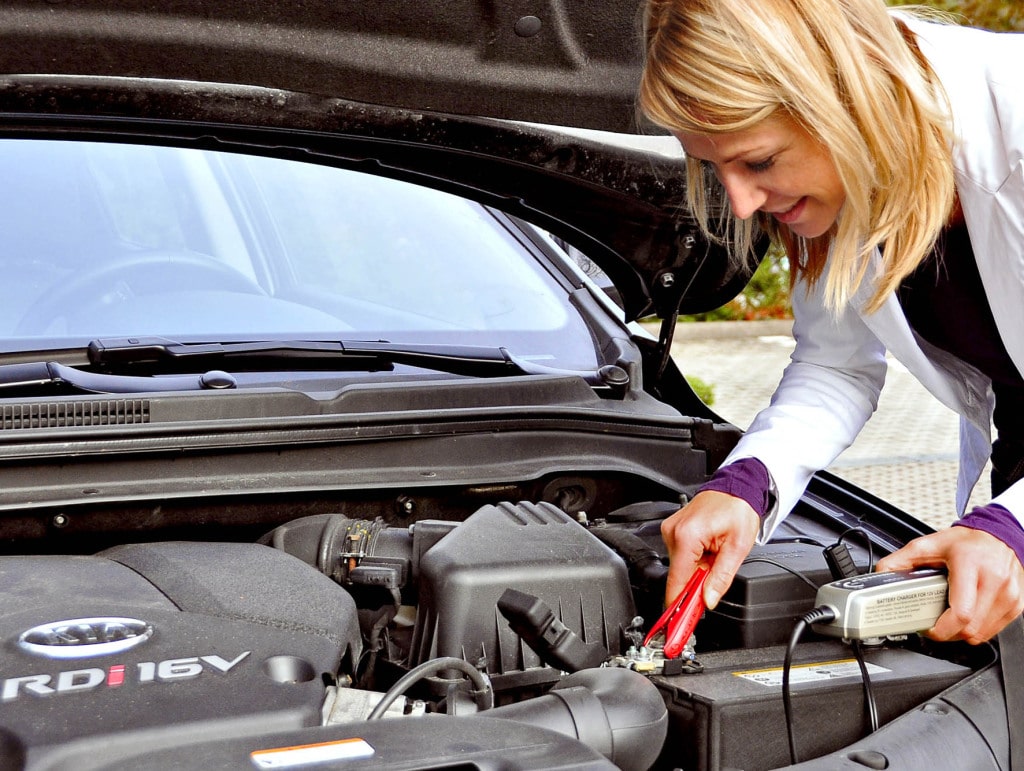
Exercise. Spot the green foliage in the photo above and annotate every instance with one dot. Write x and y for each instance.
(766, 296)
(1002, 15)
(705, 392)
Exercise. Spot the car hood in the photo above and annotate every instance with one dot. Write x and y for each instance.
(550, 61)
(425, 90)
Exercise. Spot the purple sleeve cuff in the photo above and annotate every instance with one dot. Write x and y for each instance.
(747, 478)
(998, 521)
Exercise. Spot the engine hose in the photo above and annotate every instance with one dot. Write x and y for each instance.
(644, 563)
(483, 693)
(616, 712)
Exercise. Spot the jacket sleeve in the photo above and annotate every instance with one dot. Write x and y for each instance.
(1013, 500)
(825, 396)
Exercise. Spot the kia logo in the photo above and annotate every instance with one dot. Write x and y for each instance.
(81, 638)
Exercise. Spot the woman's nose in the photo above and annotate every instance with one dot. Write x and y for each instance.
(745, 195)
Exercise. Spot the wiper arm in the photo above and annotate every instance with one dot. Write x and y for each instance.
(54, 373)
(160, 354)
(154, 355)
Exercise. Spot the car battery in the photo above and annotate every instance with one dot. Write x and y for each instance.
(769, 593)
(731, 715)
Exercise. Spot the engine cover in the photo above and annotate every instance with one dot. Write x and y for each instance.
(164, 644)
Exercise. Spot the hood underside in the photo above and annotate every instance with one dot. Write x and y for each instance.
(415, 90)
(547, 61)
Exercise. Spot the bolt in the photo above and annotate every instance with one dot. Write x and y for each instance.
(528, 26)
(406, 506)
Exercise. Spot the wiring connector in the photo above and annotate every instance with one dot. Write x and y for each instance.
(840, 561)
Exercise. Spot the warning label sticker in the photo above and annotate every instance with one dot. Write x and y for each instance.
(304, 754)
(809, 673)
(902, 609)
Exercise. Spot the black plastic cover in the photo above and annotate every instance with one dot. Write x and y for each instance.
(405, 744)
(240, 639)
(765, 600)
(966, 723)
(536, 549)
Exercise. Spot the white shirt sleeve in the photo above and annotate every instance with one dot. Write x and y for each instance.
(825, 396)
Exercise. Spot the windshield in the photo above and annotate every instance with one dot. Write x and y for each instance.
(111, 240)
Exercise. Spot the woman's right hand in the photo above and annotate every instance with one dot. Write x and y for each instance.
(715, 528)
(986, 581)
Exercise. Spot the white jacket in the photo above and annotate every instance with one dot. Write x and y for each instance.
(831, 387)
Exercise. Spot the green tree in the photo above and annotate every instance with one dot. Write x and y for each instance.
(1002, 15)
(766, 295)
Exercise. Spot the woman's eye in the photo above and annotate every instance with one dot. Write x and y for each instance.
(764, 165)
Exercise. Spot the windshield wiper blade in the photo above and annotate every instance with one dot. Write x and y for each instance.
(160, 354)
(146, 357)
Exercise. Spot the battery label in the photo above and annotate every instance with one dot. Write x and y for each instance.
(809, 673)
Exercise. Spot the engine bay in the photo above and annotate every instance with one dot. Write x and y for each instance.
(512, 636)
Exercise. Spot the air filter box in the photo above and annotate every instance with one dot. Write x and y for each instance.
(533, 548)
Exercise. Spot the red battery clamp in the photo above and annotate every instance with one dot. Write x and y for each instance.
(681, 617)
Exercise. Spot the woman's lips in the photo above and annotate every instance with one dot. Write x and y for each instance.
(792, 214)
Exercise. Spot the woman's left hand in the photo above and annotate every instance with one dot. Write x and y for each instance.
(986, 581)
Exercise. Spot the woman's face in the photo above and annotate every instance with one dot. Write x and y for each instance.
(775, 167)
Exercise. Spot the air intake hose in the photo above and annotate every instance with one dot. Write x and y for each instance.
(617, 712)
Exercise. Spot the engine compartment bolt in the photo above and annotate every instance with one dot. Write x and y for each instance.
(405, 506)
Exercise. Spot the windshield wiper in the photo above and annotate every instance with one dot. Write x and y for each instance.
(128, 365)
(45, 373)
(161, 355)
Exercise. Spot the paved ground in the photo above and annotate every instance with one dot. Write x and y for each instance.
(907, 452)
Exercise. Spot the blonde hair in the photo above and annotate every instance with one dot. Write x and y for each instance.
(850, 74)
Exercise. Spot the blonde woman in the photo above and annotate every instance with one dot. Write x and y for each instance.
(885, 152)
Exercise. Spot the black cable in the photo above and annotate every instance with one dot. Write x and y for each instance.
(484, 693)
(798, 539)
(668, 331)
(819, 614)
(376, 639)
(783, 566)
(867, 539)
(869, 695)
(787, 702)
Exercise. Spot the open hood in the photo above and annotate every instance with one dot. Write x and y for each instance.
(547, 61)
(423, 90)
